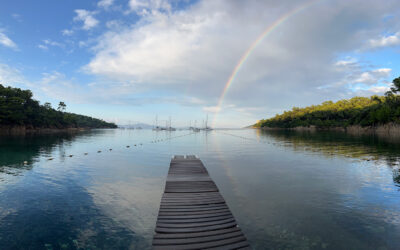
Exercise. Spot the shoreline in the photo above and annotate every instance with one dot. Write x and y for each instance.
(386, 130)
(21, 130)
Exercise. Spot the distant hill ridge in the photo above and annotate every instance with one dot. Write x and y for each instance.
(137, 125)
(18, 109)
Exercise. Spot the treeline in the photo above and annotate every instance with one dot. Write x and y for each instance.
(363, 111)
(17, 108)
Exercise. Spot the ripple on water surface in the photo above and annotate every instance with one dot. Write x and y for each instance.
(289, 190)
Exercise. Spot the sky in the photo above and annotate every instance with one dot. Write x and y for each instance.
(127, 61)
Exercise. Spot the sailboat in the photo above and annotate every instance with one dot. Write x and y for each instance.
(156, 127)
(168, 126)
(206, 128)
(195, 129)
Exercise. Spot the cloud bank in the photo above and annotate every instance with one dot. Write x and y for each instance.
(182, 53)
(193, 51)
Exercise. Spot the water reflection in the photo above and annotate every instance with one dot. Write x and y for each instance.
(310, 191)
(54, 204)
(15, 150)
(362, 148)
(291, 191)
(63, 218)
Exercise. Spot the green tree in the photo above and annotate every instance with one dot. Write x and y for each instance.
(61, 107)
(47, 105)
(18, 108)
(355, 111)
(396, 85)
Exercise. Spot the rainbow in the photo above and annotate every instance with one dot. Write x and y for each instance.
(249, 51)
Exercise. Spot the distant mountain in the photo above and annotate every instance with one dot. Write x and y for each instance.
(137, 125)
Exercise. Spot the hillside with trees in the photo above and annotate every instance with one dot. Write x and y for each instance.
(363, 111)
(18, 109)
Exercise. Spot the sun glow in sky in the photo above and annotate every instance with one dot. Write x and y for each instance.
(130, 60)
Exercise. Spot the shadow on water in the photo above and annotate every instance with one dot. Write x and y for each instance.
(330, 143)
(15, 149)
(49, 210)
(64, 218)
(20, 152)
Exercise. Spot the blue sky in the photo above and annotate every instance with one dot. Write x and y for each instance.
(129, 60)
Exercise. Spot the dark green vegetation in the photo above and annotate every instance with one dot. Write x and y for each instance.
(363, 111)
(17, 108)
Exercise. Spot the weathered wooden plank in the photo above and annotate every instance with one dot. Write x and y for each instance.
(237, 245)
(193, 198)
(193, 214)
(194, 224)
(173, 217)
(191, 195)
(192, 208)
(195, 229)
(219, 244)
(193, 202)
(194, 220)
(203, 212)
(191, 240)
(196, 235)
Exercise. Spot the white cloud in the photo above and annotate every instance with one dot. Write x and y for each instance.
(368, 90)
(212, 109)
(47, 42)
(385, 41)
(225, 107)
(114, 24)
(43, 47)
(136, 4)
(379, 89)
(52, 43)
(82, 44)
(10, 76)
(347, 62)
(57, 86)
(193, 51)
(165, 46)
(87, 18)
(17, 17)
(359, 79)
(373, 76)
(67, 32)
(105, 3)
(149, 7)
(6, 41)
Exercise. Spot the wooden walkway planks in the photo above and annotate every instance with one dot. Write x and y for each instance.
(193, 214)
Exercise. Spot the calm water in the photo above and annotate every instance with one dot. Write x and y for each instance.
(287, 190)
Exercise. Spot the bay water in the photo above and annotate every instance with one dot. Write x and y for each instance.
(101, 189)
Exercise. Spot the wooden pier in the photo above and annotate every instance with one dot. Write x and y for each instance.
(193, 214)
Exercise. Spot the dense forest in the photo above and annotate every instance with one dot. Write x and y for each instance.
(363, 111)
(17, 108)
